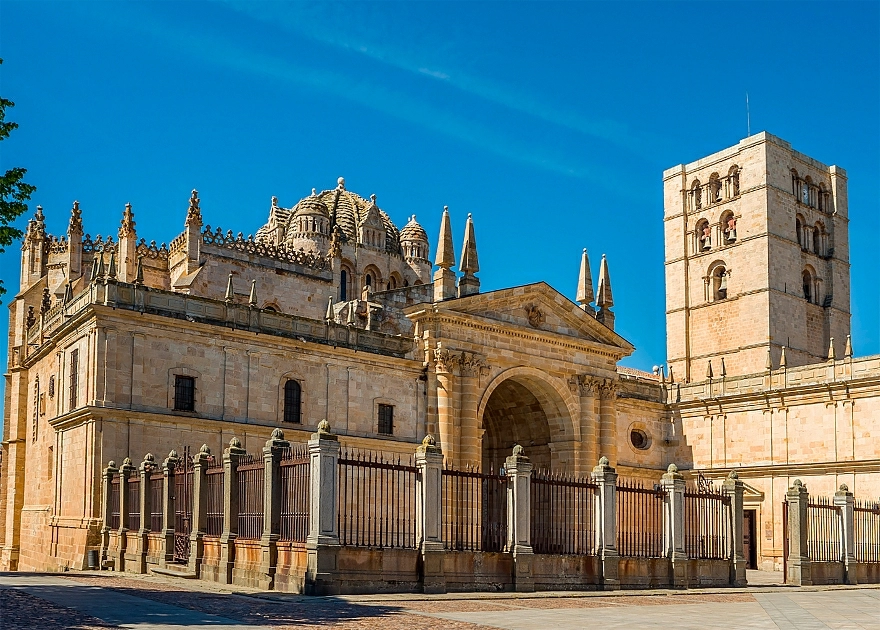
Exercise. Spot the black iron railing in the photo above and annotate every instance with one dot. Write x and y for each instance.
(474, 510)
(295, 493)
(562, 514)
(707, 521)
(866, 526)
(639, 519)
(250, 473)
(823, 530)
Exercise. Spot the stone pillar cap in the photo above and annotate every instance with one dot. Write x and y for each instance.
(323, 432)
(429, 445)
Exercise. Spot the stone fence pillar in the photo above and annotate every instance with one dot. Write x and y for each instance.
(231, 456)
(519, 543)
(798, 561)
(144, 471)
(272, 453)
(125, 471)
(733, 488)
(322, 544)
(606, 524)
(108, 474)
(843, 499)
(201, 461)
(429, 514)
(168, 468)
(673, 526)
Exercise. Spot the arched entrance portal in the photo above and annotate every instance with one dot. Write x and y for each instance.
(523, 407)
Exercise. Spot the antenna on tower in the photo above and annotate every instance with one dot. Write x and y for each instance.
(748, 118)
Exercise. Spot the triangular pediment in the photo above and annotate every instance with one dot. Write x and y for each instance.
(538, 307)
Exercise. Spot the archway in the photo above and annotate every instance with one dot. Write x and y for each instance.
(524, 406)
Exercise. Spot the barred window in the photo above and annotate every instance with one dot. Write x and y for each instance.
(386, 419)
(74, 378)
(184, 393)
(36, 409)
(292, 402)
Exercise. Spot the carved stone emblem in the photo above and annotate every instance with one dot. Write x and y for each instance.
(535, 315)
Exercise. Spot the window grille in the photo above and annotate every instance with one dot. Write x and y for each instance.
(184, 393)
(292, 402)
(386, 419)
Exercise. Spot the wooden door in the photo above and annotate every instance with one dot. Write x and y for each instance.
(750, 546)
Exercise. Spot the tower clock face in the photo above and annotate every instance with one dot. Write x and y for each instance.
(805, 193)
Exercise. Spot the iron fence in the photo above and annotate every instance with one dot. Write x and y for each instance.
(214, 479)
(823, 530)
(295, 478)
(639, 519)
(377, 506)
(113, 522)
(249, 474)
(562, 514)
(133, 488)
(866, 530)
(157, 500)
(707, 522)
(474, 510)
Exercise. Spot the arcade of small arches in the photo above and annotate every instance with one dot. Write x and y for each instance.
(812, 239)
(715, 282)
(353, 285)
(708, 236)
(717, 190)
(809, 193)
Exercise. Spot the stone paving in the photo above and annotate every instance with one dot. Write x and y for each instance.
(93, 601)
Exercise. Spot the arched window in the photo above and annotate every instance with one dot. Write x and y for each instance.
(728, 227)
(292, 402)
(714, 188)
(799, 230)
(805, 191)
(733, 180)
(696, 195)
(818, 239)
(703, 235)
(795, 183)
(808, 285)
(369, 280)
(719, 283)
(343, 286)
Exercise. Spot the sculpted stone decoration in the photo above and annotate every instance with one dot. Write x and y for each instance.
(250, 245)
(471, 365)
(608, 389)
(583, 385)
(444, 361)
(535, 315)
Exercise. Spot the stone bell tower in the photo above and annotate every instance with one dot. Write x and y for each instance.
(757, 259)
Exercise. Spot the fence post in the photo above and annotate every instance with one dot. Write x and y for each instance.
(429, 514)
(733, 488)
(673, 527)
(231, 456)
(125, 471)
(144, 470)
(322, 544)
(798, 554)
(606, 524)
(272, 453)
(519, 477)
(843, 499)
(200, 510)
(108, 475)
(168, 509)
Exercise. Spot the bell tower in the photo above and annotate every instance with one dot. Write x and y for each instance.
(757, 258)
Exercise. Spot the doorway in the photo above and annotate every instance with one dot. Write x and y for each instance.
(750, 542)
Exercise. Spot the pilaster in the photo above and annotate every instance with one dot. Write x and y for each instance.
(231, 456)
(605, 477)
(673, 526)
(519, 543)
(429, 515)
(844, 500)
(272, 453)
(322, 544)
(798, 562)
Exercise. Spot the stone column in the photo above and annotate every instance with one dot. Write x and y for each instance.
(843, 499)
(231, 456)
(429, 514)
(168, 468)
(606, 524)
(519, 542)
(586, 389)
(145, 470)
(797, 498)
(201, 461)
(608, 420)
(470, 449)
(673, 526)
(125, 471)
(733, 488)
(272, 453)
(444, 363)
(107, 476)
(322, 544)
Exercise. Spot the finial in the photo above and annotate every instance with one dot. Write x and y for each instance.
(469, 262)
(672, 469)
(709, 370)
(111, 464)
(445, 254)
(277, 434)
(340, 183)
(843, 488)
(314, 193)
(111, 269)
(723, 368)
(99, 272)
(585, 283)
(604, 299)
(733, 475)
(373, 198)
(769, 364)
(782, 362)
(848, 351)
(324, 426)
(429, 440)
(149, 457)
(127, 227)
(252, 300)
(235, 443)
(126, 461)
(194, 213)
(75, 225)
(517, 450)
(831, 349)
(603, 461)
(329, 314)
(798, 483)
(205, 450)
(172, 454)
(68, 293)
(139, 272)
(230, 293)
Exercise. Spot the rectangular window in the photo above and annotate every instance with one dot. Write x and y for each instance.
(386, 419)
(74, 378)
(184, 393)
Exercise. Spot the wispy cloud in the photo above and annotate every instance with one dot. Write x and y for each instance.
(301, 21)
(225, 51)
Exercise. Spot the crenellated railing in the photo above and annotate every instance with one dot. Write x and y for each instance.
(249, 245)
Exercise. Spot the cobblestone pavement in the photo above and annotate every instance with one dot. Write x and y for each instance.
(92, 601)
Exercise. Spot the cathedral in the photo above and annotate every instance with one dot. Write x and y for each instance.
(329, 311)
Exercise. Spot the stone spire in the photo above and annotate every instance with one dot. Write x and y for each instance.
(782, 358)
(831, 349)
(193, 231)
(74, 243)
(444, 278)
(194, 213)
(709, 373)
(328, 316)
(252, 300)
(33, 258)
(126, 228)
(75, 226)
(230, 291)
(469, 284)
(127, 245)
(604, 300)
(848, 352)
(585, 284)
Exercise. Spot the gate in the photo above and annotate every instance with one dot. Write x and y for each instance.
(183, 506)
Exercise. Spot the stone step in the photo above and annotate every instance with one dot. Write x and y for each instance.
(178, 571)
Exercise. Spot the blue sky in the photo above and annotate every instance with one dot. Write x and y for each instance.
(550, 122)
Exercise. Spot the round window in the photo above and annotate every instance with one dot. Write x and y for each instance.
(639, 439)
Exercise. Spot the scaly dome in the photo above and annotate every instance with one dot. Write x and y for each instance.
(311, 205)
(412, 231)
